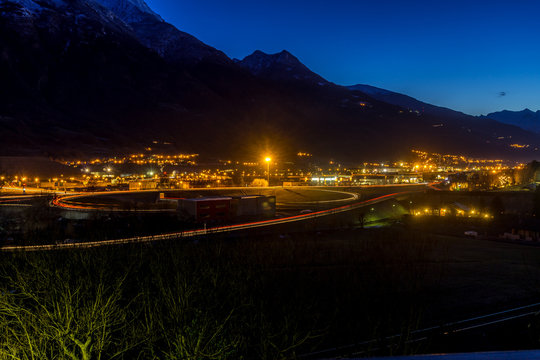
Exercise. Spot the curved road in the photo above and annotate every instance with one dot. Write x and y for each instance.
(214, 230)
(68, 202)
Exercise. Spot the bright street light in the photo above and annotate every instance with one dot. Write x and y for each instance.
(268, 159)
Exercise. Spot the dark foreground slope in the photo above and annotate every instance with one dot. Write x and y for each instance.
(273, 297)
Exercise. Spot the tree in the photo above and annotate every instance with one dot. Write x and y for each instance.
(49, 313)
(362, 219)
(237, 178)
(536, 202)
(529, 171)
(259, 183)
(497, 206)
(3, 178)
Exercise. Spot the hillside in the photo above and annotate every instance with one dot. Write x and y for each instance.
(525, 119)
(82, 78)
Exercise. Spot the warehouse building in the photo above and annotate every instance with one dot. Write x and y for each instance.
(227, 208)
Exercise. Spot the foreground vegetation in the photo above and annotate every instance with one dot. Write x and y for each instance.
(272, 297)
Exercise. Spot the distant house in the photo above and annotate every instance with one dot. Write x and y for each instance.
(207, 209)
(143, 185)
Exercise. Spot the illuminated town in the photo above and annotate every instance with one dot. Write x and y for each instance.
(183, 171)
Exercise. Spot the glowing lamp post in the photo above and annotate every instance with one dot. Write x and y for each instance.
(268, 159)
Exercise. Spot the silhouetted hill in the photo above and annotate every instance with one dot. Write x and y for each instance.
(406, 102)
(525, 119)
(494, 129)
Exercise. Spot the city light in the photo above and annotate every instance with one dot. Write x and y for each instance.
(453, 172)
(268, 159)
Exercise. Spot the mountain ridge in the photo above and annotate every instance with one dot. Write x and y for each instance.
(281, 66)
(525, 119)
(405, 101)
(78, 79)
(155, 33)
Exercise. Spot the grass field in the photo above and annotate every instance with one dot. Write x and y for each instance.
(459, 273)
(269, 296)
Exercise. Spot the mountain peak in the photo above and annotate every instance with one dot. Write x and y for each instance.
(262, 53)
(285, 53)
(525, 119)
(281, 54)
(153, 32)
(286, 57)
(282, 66)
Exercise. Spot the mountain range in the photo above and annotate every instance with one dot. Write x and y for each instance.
(525, 119)
(92, 77)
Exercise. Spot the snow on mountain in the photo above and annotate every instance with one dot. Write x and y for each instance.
(134, 16)
(27, 4)
(28, 8)
(153, 32)
(29, 15)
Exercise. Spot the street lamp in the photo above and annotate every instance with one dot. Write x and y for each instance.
(268, 159)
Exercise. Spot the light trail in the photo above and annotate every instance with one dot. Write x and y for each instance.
(67, 202)
(29, 190)
(433, 185)
(352, 197)
(209, 231)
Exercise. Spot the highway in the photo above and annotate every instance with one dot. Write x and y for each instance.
(31, 190)
(17, 200)
(213, 230)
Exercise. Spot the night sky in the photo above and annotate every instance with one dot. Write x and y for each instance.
(472, 56)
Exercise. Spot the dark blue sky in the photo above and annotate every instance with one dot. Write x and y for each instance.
(459, 54)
